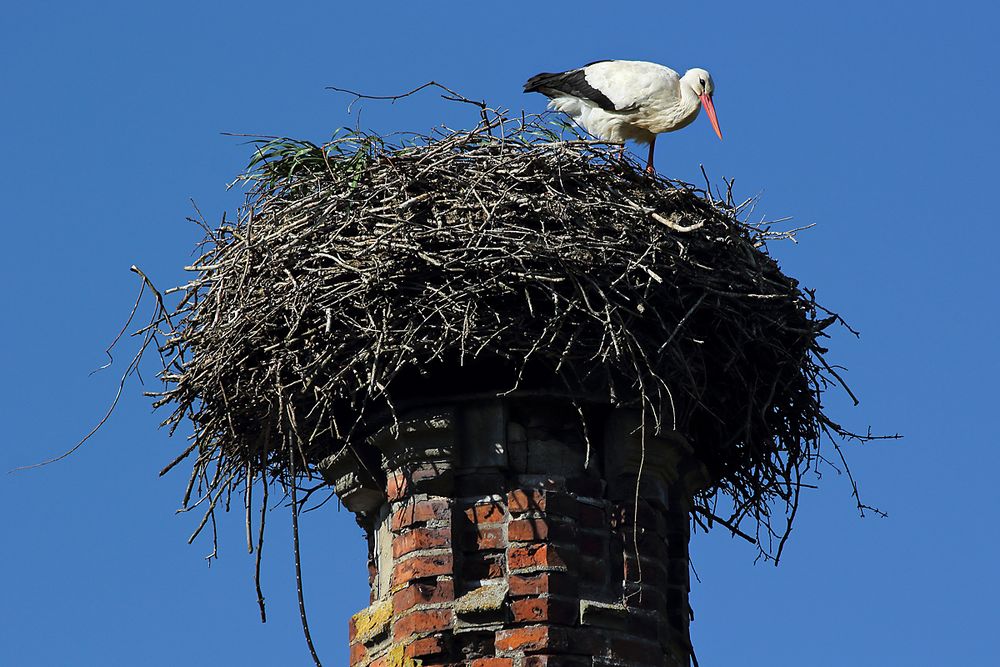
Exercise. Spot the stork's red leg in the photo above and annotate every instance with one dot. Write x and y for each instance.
(649, 160)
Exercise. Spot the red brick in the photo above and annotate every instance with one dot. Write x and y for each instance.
(482, 565)
(555, 583)
(536, 530)
(396, 486)
(528, 530)
(590, 516)
(556, 661)
(679, 571)
(635, 650)
(492, 662)
(535, 556)
(358, 653)
(478, 483)
(352, 630)
(544, 610)
(544, 639)
(643, 597)
(421, 622)
(425, 646)
(420, 567)
(520, 500)
(647, 571)
(423, 592)
(590, 487)
(485, 513)
(428, 471)
(485, 537)
(650, 544)
(592, 545)
(526, 639)
(529, 500)
(420, 538)
(594, 570)
(419, 512)
(542, 482)
(624, 515)
(647, 626)
(676, 597)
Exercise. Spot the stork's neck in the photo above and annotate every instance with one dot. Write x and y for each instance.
(690, 102)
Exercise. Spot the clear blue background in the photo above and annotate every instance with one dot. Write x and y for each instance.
(874, 120)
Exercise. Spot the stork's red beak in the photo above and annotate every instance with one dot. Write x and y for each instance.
(706, 101)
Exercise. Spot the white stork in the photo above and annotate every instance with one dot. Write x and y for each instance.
(617, 100)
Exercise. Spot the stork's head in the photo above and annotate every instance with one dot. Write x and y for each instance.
(700, 81)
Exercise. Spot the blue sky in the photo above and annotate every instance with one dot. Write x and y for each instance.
(876, 121)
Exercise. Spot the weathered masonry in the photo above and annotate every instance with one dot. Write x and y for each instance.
(503, 534)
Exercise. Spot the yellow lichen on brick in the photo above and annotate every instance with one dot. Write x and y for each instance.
(373, 621)
(397, 658)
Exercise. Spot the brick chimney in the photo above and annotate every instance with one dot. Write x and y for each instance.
(504, 533)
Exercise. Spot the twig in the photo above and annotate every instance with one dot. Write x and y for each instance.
(452, 95)
(260, 551)
(298, 560)
(717, 519)
(674, 226)
(129, 370)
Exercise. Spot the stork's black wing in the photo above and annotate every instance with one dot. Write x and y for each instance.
(573, 82)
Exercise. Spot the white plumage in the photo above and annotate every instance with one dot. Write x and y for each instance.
(622, 100)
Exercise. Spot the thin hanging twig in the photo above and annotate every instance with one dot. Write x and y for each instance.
(298, 559)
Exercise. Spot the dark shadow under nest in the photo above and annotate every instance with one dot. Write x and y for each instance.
(362, 273)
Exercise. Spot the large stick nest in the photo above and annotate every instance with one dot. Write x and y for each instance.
(364, 273)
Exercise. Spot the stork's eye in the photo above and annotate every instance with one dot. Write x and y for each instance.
(702, 82)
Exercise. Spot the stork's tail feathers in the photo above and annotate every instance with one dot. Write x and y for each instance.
(536, 83)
